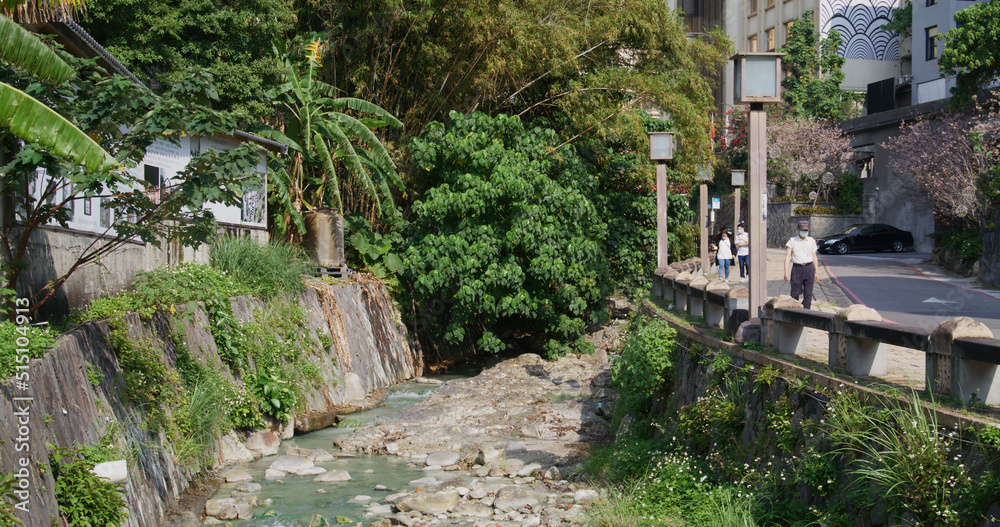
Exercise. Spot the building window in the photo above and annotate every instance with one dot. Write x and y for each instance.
(931, 43)
(770, 4)
(752, 44)
(788, 30)
(769, 37)
(931, 2)
(753, 7)
(154, 182)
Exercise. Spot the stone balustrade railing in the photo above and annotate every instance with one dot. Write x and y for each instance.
(962, 357)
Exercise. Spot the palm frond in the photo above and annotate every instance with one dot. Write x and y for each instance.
(350, 157)
(360, 105)
(34, 122)
(378, 152)
(329, 170)
(19, 47)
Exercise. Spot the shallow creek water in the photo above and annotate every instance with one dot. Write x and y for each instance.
(296, 498)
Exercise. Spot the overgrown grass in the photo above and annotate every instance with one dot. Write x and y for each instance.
(199, 422)
(265, 269)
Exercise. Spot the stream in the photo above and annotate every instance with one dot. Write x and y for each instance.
(296, 499)
(501, 448)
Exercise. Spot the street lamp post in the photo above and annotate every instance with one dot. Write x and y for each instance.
(661, 149)
(739, 179)
(757, 82)
(703, 175)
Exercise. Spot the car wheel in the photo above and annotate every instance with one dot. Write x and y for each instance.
(840, 248)
(897, 246)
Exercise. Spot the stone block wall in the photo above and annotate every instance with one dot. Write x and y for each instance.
(782, 222)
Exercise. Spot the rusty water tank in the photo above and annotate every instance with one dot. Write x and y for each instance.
(324, 238)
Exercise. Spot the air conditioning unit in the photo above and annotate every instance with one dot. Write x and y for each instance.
(903, 79)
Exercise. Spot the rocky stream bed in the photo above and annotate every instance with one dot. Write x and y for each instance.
(499, 449)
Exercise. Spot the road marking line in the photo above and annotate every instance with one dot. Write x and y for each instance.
(845, 288)
(943, 282)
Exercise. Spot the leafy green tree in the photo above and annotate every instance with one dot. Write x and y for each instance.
(124, 119)
(325, 142)
(505, 247)
(29, 119)
(815, 68)
(901, 24)
(165, 40)
(972, 50)
(579, 67)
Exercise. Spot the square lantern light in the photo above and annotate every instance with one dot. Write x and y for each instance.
(661, 146)
(739, 178)
(703, 173)
(757, 78)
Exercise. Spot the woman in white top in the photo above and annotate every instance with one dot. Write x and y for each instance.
(725, 255)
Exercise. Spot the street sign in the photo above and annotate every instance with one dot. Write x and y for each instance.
(716, 203)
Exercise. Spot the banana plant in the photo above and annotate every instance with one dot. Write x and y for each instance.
(29, 119)
(327, 144)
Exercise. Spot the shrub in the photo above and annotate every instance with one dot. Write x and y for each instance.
(277, 398)
(84, 499)
(644, 367)
(505, 246)
(807, 211)
(850, 190)
(38, 339)
(964, 242)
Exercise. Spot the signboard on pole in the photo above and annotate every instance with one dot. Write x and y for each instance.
(716, 203)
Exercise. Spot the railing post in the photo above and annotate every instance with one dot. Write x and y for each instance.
(857, 356)
(667, 284)
(696, 296)
(736, 299)
(681, 282)
(790, 339)
(947, 374)
(715, 315)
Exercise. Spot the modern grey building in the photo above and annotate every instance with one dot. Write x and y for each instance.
(931, 20)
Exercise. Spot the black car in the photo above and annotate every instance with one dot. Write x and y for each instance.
(866, 237)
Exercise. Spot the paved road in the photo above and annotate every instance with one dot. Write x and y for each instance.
(905, 289)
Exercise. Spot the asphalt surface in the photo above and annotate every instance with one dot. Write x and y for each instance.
(906, 289)
(903, 287)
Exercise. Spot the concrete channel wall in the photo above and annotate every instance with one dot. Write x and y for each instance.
(58, 404)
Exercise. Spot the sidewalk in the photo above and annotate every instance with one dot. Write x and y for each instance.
(906, 367)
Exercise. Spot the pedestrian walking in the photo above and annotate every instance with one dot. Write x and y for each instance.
(724, 256)
(743, 251)
(801, 264)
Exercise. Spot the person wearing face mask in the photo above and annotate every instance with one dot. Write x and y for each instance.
(725, 255)
(801, 264)
(743, 251)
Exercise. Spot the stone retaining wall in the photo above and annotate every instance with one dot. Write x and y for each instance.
(372, 351)
(782, 222)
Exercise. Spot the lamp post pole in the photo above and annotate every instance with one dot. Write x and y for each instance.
(757, 81)
(703, 211)
(737, 196)
(758, 202)
(662, 260)
(661, 148)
